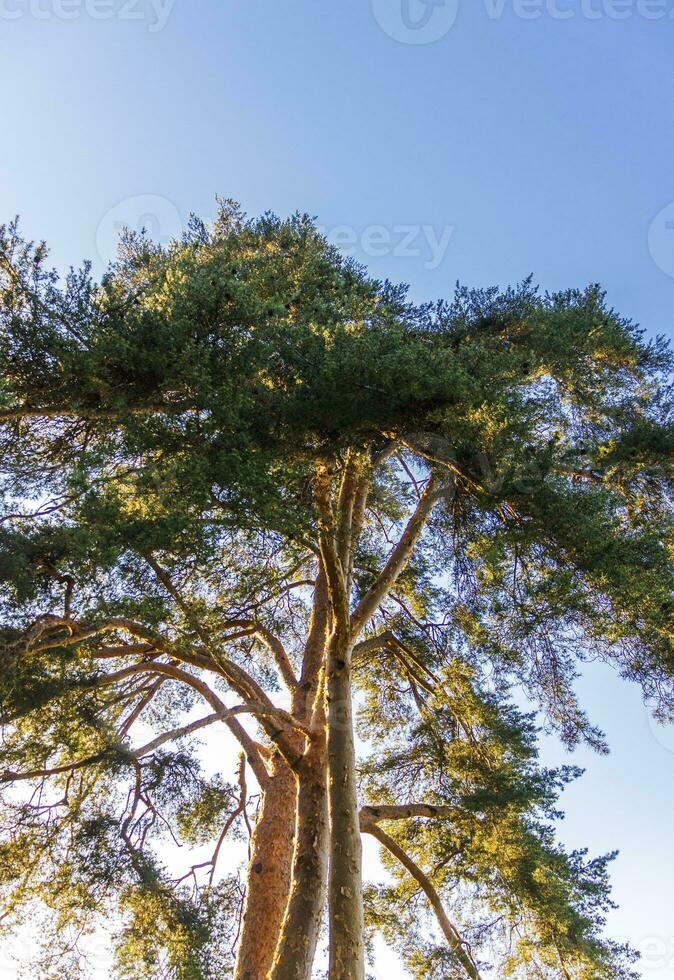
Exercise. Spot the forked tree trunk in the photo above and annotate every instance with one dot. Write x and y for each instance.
(347, 954)
(299, 936)
(269, 876)
(345, 889)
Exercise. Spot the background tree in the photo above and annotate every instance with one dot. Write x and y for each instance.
(247, 486)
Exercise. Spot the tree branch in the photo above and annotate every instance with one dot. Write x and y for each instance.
(61, 411)
(400, 556)
(457, 945)
(273, 644)
(315, 647)
(373, 814)
(334, 571)
(176, 733)
(413, 665)
(263, 710)
(238, 679)
(15, 777)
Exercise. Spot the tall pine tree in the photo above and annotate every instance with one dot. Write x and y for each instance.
(246, 488)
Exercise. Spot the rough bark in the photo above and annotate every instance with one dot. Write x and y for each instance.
(299, 936)
(345, 884)
(304, 695)
(269, 875)
(347, 958)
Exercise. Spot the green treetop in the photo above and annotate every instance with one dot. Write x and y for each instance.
(248, 489)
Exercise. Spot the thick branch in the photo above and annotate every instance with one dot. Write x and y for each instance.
(220, 714)
(334, 571)
(64, 412)
(373, 814)
(414, 667)
(399, 557)
(345, 505)
(313, 656)
(457, 945)
(176, 733)
(273, 644)
(262, 710)
(240, 681)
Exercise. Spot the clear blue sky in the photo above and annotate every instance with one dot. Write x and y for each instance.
(505, 145)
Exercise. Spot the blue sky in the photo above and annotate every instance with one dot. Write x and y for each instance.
(479, 140)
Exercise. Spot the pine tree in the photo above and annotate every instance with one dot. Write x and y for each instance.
(247, 488)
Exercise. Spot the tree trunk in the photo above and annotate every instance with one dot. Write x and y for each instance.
(299, 937)
(345, 886)
(347, 956)
(269, 875)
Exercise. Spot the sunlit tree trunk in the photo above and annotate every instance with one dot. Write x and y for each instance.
(269, 875)
(299, 936)
(345, 885)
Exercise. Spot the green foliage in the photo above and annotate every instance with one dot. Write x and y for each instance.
(203, 813)
(172, 417)
(505, 879)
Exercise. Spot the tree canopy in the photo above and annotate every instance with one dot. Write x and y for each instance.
(247, 488)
